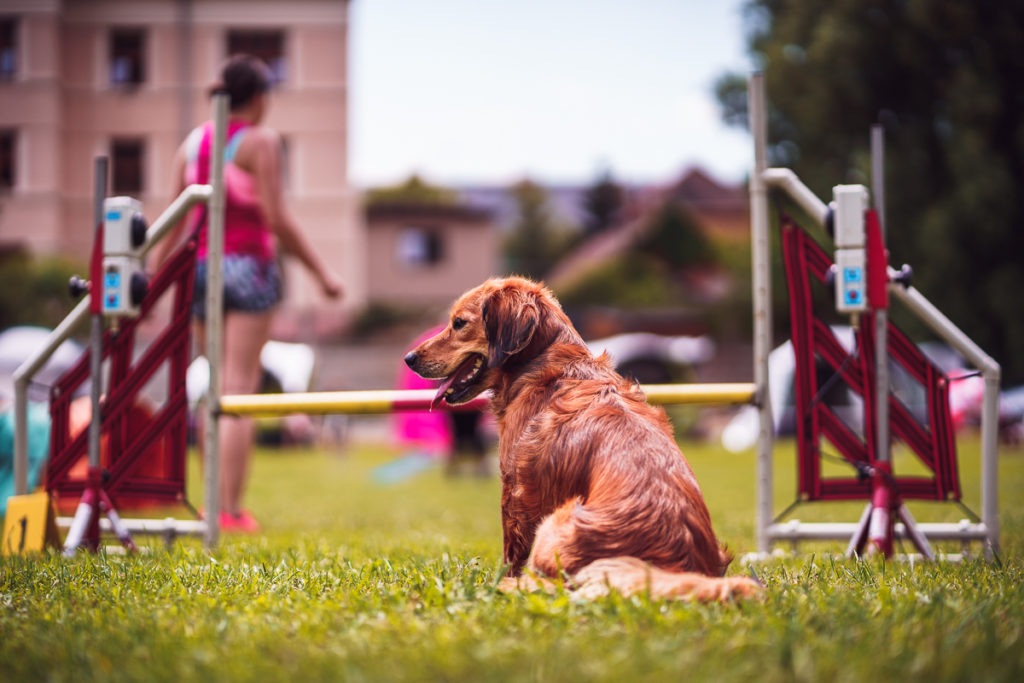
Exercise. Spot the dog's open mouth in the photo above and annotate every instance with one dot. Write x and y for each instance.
(459, 386)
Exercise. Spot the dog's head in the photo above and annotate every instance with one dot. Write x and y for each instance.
(490, 326)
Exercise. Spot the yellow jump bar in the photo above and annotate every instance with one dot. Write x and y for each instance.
(388, 401)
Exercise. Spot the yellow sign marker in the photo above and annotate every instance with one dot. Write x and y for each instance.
(30, 524)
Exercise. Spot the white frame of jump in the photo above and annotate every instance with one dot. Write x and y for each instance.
(768, 532)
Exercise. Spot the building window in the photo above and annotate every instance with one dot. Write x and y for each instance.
(127, 157)
(8, 48)
(8, 159)
(419, 247)
(127, 56)
(266, 45)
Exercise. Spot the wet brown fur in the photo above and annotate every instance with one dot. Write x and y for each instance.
(593, 483)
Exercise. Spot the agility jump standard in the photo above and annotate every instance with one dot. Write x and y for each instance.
(213, 196)
(768, 530)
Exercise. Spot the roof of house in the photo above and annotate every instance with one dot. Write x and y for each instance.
(700, 191)
(420, 211)
(695, 189)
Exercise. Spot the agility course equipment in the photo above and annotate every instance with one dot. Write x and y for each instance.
(873, 454)
(116, 263)
(884, 493)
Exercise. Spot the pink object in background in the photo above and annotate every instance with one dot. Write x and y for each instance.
(966, 392)
(429, 432)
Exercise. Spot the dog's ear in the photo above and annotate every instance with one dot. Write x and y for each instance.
(510, 319)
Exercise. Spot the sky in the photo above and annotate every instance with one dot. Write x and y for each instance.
(492, 91)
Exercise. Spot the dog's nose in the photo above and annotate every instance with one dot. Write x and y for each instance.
(410, 358)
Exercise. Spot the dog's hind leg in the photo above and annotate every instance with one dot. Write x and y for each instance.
(552, 548)
(555, 546)
(559, 548)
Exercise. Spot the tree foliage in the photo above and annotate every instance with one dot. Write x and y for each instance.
(945, 79)
(414, 190)
(674, 238)
(536, 241)
(632, 280)
(650, 272)
(34, 291)
(602, 204)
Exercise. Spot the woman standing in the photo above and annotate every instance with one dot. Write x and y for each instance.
(256, 222)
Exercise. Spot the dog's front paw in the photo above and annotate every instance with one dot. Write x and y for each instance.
(509, 584)
(527, 583)
(739, 588)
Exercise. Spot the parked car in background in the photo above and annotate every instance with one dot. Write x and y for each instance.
(17, 344)
(652, 358)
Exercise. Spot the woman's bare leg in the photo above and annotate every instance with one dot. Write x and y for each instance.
(244, 336)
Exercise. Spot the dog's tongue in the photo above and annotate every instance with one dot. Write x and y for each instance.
(445, 385)
(464, 370)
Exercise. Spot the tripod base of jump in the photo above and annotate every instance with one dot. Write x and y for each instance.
(85, 527)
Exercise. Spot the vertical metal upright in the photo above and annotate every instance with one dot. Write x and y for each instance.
(882, 524)
(881, 314)
(214, 319)
(760, 244)
(96, 319)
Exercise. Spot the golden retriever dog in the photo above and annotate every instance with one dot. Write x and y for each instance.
(594, 487)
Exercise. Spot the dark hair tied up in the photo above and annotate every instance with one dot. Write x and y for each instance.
(242, 78)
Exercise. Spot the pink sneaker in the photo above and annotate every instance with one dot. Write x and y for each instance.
(241, 523)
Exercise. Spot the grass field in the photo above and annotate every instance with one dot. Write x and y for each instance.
(353, 580)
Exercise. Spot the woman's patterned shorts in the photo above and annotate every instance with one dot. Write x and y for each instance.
(251, 285)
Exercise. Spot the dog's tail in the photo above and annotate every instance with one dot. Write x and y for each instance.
(629, 575)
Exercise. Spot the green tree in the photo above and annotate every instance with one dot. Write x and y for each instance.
(536, 242)
(944, 78)
(34, 290)
(602, 204)
(674, 237)
(415, 190)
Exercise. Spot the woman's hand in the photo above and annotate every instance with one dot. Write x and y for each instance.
(331, 285)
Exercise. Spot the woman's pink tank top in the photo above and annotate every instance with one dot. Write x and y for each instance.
(246, 230)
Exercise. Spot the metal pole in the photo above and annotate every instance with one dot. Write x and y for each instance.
(989, 460)
(881, 315)
(215, 318)
(761, 265)
(386, 401)
(23, 376)
(177, 210)
(96, 330)
(20, 437)
(787, 181)
(878, 173)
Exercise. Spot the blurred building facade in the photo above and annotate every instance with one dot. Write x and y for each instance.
(426, 255)
(128, 79)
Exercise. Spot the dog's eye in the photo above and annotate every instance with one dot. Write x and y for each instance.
(458, 323)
